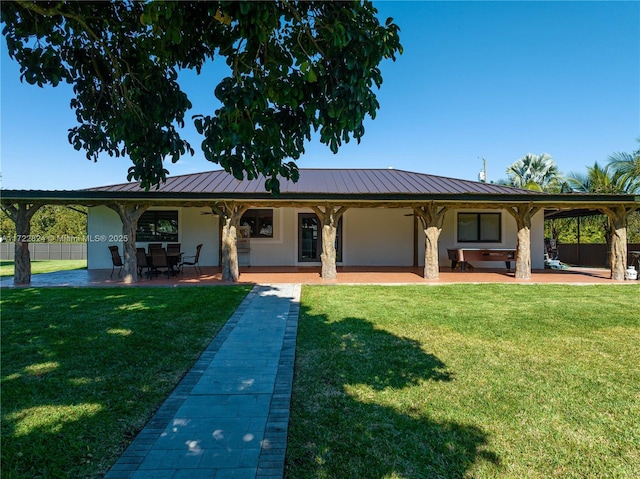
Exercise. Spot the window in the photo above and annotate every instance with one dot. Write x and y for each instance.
(260, 221)
(158, 226)
(479, 227)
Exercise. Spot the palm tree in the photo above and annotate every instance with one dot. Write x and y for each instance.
(607, 180)
(627, 167)
(535, 172)
(597, 180)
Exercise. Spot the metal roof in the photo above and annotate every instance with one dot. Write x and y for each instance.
(343, 182)
(357, 186)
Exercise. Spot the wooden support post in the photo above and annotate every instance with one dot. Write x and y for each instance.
(523, 214)
(21, 214)
(230, 214)
(329, 218)
(129, 214)
(618, 236)
(431, 216)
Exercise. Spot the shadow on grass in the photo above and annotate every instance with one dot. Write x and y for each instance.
(351, 418)
(84, 369)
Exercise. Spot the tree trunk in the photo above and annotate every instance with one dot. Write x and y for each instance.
(431, 216)
(523, 215)
(230, 215)
(129, 215)
(618, 252)
(329, 218)
(21, 214)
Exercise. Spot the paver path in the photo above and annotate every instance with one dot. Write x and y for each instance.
(228, 417)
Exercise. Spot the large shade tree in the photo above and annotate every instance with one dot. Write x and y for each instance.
(294, 68)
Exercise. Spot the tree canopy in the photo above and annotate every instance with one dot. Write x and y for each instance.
(294, 68)
(626, 169)
(51, 224)
(535, 172)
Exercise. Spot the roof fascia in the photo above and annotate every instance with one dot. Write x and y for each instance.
(97, 197)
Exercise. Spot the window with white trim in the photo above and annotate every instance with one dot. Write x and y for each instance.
(260, 221)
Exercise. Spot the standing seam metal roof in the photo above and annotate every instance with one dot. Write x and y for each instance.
(325, 181)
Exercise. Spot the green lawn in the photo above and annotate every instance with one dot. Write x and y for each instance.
(482, 381)
(46, 266)
(84, 369)
(478, 381)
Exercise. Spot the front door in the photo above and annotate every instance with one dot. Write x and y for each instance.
(310, 238)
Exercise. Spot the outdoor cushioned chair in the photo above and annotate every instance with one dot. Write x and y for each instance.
(116, 260)
(193, 260)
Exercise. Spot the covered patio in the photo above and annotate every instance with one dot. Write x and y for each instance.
(425, 200)
(212, 276)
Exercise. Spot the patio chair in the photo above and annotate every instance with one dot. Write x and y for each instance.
(116, 260)
(141, 260)
(159, 261)
(192, 260)
(173, 247)
(152, 246)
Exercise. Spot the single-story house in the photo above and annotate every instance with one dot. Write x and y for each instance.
(372, 217)
(290, 235)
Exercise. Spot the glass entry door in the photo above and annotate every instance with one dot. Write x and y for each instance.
(310, 238)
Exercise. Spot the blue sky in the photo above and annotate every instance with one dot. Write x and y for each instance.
(492, 80)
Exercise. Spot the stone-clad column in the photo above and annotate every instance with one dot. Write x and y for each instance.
(230, 214)
(21, 214)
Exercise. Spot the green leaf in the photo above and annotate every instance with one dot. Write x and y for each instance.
(311, 76)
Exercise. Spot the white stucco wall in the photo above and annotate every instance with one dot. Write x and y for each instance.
(378, 237)
(103, 224)
(104, 228)
(537, 240)
(196, 226)
(371, 236)
(448, 239)
(279, 250)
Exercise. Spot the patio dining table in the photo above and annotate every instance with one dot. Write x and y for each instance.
(173, 259)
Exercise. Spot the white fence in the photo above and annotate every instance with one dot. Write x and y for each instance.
(43, 251)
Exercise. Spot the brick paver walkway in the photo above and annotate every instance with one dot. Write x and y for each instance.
(228, 417)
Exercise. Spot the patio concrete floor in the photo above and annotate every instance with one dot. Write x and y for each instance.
(311, 275)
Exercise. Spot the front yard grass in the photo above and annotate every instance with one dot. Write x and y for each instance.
(84, 369)
(478, 381)
(45, 266)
